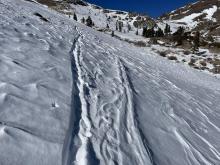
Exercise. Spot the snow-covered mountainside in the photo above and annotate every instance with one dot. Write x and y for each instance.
(104, 20)
(72, 95)
(203, 15)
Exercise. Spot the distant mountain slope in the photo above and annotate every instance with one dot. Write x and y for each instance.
(203, 15)
(100, 16)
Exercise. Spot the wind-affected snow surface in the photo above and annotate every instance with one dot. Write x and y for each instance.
(71, 95)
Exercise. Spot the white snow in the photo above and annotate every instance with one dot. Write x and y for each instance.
(117, 103)
(210, 12)
(189, 20)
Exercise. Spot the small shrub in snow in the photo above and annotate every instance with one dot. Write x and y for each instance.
(216, 70)
(172, 58)
(140, 43)
(196, 67)
(216, 62)
(192, 62)
(203, 63)
(162, 53)
(186, 52)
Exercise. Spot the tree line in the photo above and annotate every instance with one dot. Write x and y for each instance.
(178, 37)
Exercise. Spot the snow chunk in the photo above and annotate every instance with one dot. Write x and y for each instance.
(2, 131)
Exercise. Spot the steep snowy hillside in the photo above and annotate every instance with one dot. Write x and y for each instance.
(72, 95)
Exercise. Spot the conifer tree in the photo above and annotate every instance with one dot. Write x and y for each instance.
(144, 31)
(75, 17)
(148, 33)
(107, 26)
(89, 22)
(120, 26)
(196, 41)
(179, 35)
(116, 25)
(180, 31)
(167, 30)
(113, 33)
(129, 27)
(137, 32)
(159, 33)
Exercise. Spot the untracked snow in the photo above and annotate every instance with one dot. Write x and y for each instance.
(70, 95)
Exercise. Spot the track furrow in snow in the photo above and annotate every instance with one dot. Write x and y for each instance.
(85, 126)
(120, 139)
(77, 143)
(130, 135)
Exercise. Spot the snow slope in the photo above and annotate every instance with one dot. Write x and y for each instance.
(72, 95)
(191, 21)
(35, 84)
(202, 15)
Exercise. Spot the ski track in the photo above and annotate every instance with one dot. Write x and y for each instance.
(78, 149)
(116, 119)
(114, 132)
(85, 126)
(130, 132)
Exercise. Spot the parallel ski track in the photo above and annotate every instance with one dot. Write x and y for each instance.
(122, 139)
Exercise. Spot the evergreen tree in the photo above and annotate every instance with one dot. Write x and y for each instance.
(107, 26)
(89, 22)
(75, 17)
(179, 35)
(180, 31)
(120, 26)
(129, 27)
(152, 32)
(196, 41)
(116, 25)
(137, 32)
(113, 34)
(159, 33)
(167, 30)
(144, 31)
(148, 33)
